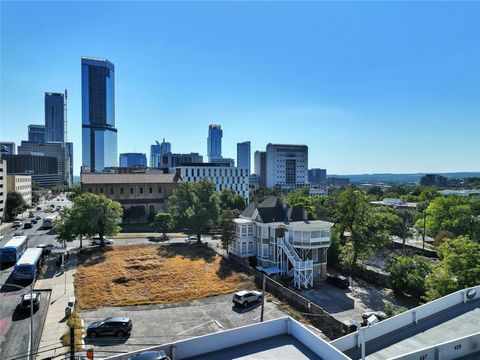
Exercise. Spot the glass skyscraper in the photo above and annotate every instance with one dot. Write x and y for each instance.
(243, 155)
(36, 133)
(214, 143)
(133, 160)
(55, 117)
(99, 135)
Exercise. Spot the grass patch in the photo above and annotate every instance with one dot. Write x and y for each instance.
(75, 321)
(125, 275)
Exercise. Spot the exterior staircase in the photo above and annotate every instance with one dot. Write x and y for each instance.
(302, 269)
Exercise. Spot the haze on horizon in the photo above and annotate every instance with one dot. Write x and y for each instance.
(370, 87)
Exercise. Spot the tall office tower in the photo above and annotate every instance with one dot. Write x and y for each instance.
(133, 160)
(55, 126)
(36, 133)
(214, 143)
(287, 165)
(165, 147)
(260, 163)
(69, 163)
(3, 186)
(157, 151)
(317, 177)
(8, 147)
(99, 135)
(243, 155)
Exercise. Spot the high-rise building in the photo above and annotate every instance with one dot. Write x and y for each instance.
(99, 135)
(69, 163)
(338, 181)
(317, 177)
(42, 169)
(53, 149)
(158, 151)
(21, 184)
(214, 143)
(170, 160)
(55, 117)
(260, 163)
(287, 165)
(36, 133)
(133, 160)
(7, 147)
(243, 155)
(433, 180)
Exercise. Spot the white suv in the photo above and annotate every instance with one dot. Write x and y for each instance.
(246, 297)
(95, 240)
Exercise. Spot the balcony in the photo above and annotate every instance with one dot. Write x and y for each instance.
(307, 239)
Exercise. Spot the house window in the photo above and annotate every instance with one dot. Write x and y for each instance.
(89, 190)
(111, 191)
(141, 190)
(150, 190)
(265, 251)
(159, 190)
(101, 190)
(244, 248)
(250, 230)
(243, 230)
(131, 190)
(250, 246)
(121, 191)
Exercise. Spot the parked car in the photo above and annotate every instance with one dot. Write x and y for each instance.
(191, 238)
(46, 248)
(17, 223)
(95, 240)
(378, 314)
(18, 233)
(25, 301)
(39, 208)
(118, 326)
(340, 281)
(38, 217)
(27, 225)
(31, 215)
(246, 297)
(33, 221)
(150, 355)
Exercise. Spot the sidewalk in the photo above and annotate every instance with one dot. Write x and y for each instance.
(55, 322)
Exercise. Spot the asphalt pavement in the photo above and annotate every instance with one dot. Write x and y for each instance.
(15, 324)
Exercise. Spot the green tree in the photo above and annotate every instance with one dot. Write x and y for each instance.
(376, 192)
(300, 198)
(195, 206)
(163, 222)
(455, 214)
(458, 268)
(229, 199)
(14, 205)
(35, 197)
(228, 226)
(67, 226)
(407, 275)
(76, 191)
(361, 228)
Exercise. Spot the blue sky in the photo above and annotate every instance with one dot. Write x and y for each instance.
(369, 87)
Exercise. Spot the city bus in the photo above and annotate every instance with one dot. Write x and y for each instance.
(48, 221)
(28, 267)
(13, 250)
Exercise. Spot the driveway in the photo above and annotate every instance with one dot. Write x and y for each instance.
(345, 304)
(159, 324)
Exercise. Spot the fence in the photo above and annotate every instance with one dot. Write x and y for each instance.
(319, 318)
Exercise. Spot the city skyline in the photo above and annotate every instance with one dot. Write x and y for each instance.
(386, 111)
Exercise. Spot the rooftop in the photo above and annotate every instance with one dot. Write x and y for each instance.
(138, 178)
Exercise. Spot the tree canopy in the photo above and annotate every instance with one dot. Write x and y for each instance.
(163, 222)
(195, 206)
(229, 199)
(14, 205)
(407, 275)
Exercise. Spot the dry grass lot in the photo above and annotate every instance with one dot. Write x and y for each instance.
(149, 274)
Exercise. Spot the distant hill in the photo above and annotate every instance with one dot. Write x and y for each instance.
(400, 178)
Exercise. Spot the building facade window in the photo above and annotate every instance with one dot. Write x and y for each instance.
(131, 190)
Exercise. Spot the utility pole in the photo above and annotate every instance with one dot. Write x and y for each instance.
(263, 298)
(31, 321)
(72, 343)
(424, 227)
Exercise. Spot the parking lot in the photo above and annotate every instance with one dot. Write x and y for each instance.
(159, 324)
(351, 303)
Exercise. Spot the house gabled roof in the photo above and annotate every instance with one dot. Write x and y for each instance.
(271, 210)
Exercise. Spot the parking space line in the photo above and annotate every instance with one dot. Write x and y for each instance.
(265, 313)
(205, 323)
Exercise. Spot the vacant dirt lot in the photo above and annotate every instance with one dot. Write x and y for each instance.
(149, 274)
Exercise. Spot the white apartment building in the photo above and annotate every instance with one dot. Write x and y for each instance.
(287, 165)
(224, 177)
(3, 186)
(283, 241)
(21, 184)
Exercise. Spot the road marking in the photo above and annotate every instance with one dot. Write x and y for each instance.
(205, 323)
(265, 313)
(219, 325)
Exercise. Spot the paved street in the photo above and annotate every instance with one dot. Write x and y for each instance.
(14, 324)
